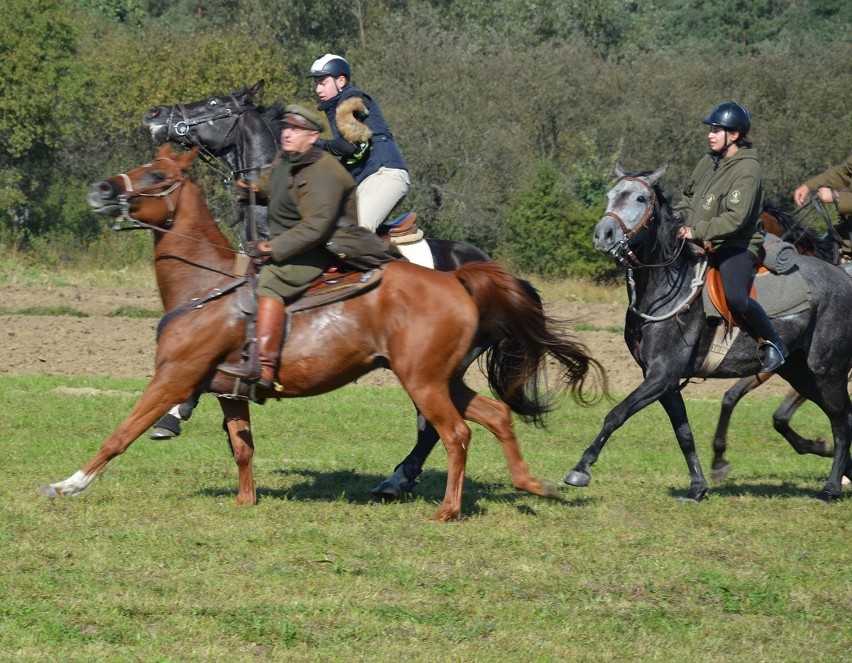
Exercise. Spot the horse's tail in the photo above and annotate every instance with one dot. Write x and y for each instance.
(511, 314)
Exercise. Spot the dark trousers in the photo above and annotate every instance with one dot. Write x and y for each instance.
(736, 267)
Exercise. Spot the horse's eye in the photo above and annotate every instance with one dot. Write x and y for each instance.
(156, 176)
(642, 199)
(213, 102)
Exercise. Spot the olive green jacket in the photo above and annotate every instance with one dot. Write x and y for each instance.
(723, 199)
(838, 178)
(309, 196)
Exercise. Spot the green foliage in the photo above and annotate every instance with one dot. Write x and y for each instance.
(477, 93)
(551, 232)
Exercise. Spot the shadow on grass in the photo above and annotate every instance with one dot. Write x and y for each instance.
(763, 487)
(355, 488)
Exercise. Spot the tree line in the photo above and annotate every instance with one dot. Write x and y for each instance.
(510, 114)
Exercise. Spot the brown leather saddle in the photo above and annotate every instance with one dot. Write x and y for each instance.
(336, 284)
(713, 283)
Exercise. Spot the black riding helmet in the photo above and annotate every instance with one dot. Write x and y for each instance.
(730, 115)
(330, 65)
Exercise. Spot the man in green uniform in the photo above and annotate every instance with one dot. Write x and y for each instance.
(310, 195)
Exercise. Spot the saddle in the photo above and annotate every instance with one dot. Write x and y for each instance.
(336, 284)
(401, 230)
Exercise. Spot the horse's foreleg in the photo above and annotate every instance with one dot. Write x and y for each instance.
(721, 467)
(781, 422)
(497, 418)
(675, 408)
(237, 424)
(646, 393)
(157, 398)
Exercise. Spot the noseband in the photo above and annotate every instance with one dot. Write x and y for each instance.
(126, 199)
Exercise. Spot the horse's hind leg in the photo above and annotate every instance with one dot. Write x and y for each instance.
(238, 426)
(404, 476)
(497, 418)
(721, 467)
(781, 421)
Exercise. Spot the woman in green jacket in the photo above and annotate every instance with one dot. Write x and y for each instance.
(722, 203)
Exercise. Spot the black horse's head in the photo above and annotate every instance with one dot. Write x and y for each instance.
(209, 122)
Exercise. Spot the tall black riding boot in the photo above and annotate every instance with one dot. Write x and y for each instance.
(772, 351)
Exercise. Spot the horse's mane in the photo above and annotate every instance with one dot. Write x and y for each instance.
(273, 116)
(804, 237)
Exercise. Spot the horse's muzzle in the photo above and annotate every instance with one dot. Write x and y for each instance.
(156, 120)
(607, 234)
(103, 198)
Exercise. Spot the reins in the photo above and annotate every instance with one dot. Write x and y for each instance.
(625, 256)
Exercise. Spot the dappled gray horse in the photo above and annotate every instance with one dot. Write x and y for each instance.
(670, 337)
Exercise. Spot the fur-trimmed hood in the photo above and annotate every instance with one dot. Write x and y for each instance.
(350, 127)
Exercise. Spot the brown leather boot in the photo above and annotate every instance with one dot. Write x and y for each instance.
(263, 362)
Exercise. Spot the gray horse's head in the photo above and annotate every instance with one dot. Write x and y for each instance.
(630, 205)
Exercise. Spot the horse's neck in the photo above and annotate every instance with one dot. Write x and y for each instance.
(254, 148)
(194, 257)
(655, 286)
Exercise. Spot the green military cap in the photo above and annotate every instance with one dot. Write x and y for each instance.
(301, 118)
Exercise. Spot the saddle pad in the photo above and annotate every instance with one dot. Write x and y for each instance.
(778, 294)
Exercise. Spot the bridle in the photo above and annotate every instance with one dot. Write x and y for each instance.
(179, 126)
(167, 188)
(125, 200)
(624, 256)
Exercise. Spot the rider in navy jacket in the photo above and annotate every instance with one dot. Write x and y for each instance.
(361, 139)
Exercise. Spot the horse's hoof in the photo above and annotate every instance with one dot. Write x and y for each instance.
(845, 481)
(578, 479)
(160, 433)
(549, 490)
(388, 491)
(826, 496)
(720, 472)
(47, 491)
(693, 497)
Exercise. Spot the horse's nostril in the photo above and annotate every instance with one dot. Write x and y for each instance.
(152, 112)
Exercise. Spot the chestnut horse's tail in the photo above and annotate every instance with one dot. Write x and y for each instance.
(512, 314)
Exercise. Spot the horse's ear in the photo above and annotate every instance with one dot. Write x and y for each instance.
(188, 158)
(165, 152)
(657, 175)
(619, 170)
(255, 92)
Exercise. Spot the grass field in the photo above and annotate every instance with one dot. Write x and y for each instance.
(154, 562)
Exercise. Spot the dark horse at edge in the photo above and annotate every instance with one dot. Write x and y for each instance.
(670, 338)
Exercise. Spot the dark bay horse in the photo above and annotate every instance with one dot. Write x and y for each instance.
(670, 338)
(809, 242)
(419, 322)
(235, 129)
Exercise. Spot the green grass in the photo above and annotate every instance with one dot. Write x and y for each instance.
(154, 562)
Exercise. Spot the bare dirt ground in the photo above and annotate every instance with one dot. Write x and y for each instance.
(103, 343)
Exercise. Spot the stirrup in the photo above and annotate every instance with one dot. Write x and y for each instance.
(245, 370)
(771, 357)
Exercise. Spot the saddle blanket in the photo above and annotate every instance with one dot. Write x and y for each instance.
(778, 294)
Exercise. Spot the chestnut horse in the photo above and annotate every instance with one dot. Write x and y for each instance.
(419, 322)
